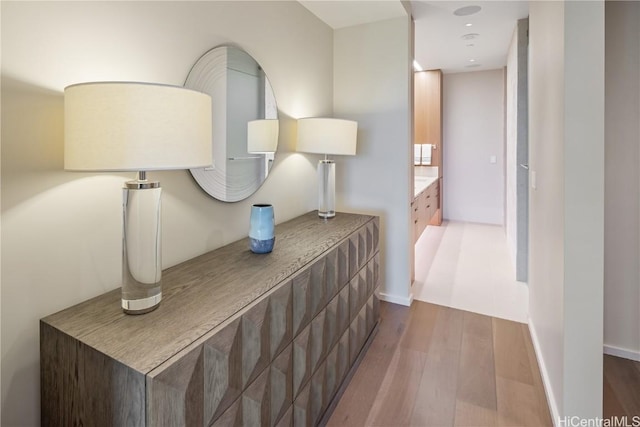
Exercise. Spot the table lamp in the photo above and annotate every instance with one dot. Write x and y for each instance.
(126, 126)
(327, 136)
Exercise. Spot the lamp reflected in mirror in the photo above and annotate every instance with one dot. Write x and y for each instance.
(240, 94)
(262, 139)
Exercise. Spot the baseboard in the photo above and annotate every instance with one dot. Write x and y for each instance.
(548, 390)
(395, 299)
(622, 352)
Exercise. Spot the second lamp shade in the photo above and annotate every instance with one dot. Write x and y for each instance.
(327, 136)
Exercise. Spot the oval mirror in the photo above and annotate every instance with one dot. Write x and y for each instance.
(245, 122)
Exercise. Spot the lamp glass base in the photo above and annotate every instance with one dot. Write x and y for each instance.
(141, 255)
(326, 189)
(142, 305)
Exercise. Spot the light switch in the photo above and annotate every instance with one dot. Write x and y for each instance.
(533, 179)
(493, 159)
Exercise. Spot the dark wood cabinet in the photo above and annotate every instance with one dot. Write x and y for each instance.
(239, 340)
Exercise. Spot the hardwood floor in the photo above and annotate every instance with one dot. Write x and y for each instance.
(431, 365)
(621, 388)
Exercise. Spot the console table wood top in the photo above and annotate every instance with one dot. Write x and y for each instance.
(201, 293)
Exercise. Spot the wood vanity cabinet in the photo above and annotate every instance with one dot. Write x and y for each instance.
(424, 209)
(428, 110)
(239, 339)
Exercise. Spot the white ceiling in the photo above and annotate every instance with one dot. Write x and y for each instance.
(346, 13)
(438, 32)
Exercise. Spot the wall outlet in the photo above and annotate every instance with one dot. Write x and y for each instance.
(493, 159)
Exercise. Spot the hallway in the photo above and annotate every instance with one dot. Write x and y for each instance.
(467, 266)
(434, 366)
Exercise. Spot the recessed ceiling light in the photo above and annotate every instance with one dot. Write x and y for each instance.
(467, 10)
(468, 24)
(472, 60)
(470, 36)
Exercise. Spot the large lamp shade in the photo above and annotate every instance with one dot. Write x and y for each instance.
(123, 126)
(327, 136)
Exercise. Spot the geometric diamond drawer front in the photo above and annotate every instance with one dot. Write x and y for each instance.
(354, 263)
(222, 370)
(369, 239)
(301, 360)
(310, 403)
(362, 247)
(232, 417)
(331, 274)
(256, 332)
(342, 253)
(353, 340)
(370, 317)
(318, 340)
(357, 334)
(255, 402)
(376, 270)
(318, 286)
(287, 419)
(280, 310)
(281, 383)
(369, 277)
(342, 357)
(375, 230)
(331, 323)
(301, 300)
(353, 298)
(376, 306)
(343, 310)
(309, 294)
(311, 346)
(267, 400)
(362, 287)
(337, 317)
(181, 385)
(331, 381)
(357, 294)
(302, 408)
(317, 394)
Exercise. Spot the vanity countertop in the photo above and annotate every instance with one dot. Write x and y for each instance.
(421, 183)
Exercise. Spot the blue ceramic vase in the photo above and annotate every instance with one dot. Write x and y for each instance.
(262, 228)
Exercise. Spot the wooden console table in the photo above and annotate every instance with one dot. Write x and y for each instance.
(239, 338)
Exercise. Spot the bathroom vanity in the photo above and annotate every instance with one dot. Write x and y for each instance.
(239, 338)
(425, 204)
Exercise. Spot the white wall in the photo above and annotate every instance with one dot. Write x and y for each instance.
(372, 85)
(61, 231)
(566, 150)
(622, 180)
(473, 122)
